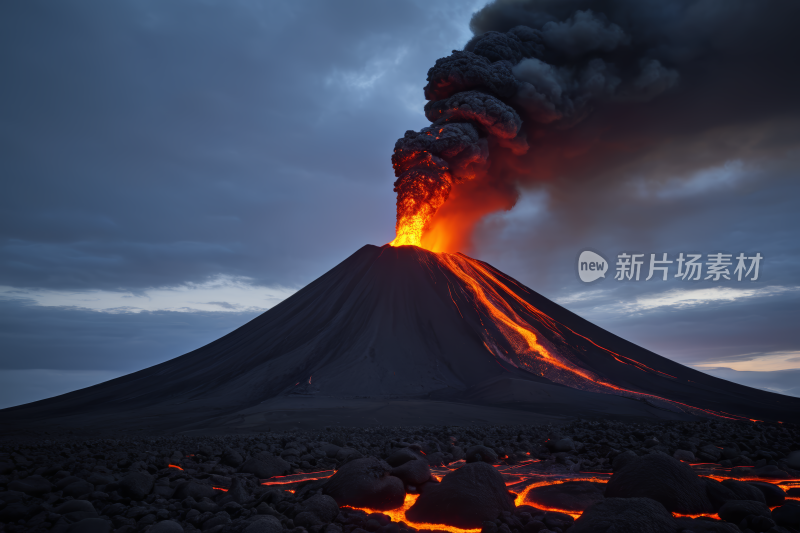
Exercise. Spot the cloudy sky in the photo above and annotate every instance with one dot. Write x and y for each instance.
(172, 169)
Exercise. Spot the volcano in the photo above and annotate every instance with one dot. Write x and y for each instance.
(404, 336)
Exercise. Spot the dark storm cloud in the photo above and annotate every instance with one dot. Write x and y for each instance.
(78, 339)
(148, 144)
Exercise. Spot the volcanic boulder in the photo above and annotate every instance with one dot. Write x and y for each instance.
(735, 511)
(705, 525)
(744, 491)
(322, 506)
(773, 494)
(167, 526)
(91, 525)
(793, 460)
(788, 514)
(481, 453)
(413, 473)
(194, 489)
(623, 459)
(76, 510)
(626, 515)
(684, 455)
(718, 494)
(664, 479)
(78, 489)
(573, 496)
(236, 493)
(265, 524)
(265, 465)
(33, 485)
(465, 498)
(403, 455)
(366, 482)
(136, 485)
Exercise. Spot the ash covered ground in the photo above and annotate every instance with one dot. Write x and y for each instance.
(582, 477)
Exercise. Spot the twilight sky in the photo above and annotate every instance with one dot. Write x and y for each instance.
(172, 169)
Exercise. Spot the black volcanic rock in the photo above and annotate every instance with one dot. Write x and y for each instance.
(573, 496)
(194, 489)
(788, 514)
(78, 489)
(265, 524)
(664, 479)
(480, 453)
(793, 459)
(34, 485)
(626, 515)
(91, 525)
(705, 525)
(322, 506)
(719, 494)
(735, 511)
(744, 491)
(167, 526)
(414, 472)
(403, 455)
(623, 459)
(265, 466)
(136, 486)
(773, 494)
(366, 482)
(465, 498)
(76, 510)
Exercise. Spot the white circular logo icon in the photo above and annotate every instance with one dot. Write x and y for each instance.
(591, 266)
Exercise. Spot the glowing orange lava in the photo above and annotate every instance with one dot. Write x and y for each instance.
(422, 187)
(493, 297)
(399, 515)
(522, 495)
(521, 481)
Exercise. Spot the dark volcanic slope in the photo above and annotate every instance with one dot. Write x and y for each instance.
(401, 336)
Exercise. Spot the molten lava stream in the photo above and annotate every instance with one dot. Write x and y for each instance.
(297, 478)
(530, 481)
(399, 515)
(523, 337)
(522, 495)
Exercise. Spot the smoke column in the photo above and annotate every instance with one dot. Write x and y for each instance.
(550, 90)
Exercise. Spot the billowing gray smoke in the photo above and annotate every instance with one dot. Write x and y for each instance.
(544, 76)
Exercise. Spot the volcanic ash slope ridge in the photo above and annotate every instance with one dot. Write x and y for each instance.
(397, 335)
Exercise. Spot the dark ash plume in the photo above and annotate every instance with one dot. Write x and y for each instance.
(542, 79)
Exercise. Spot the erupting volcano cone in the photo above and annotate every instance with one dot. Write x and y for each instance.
(401, 335)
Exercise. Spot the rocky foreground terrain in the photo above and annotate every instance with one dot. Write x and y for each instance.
(585, 477)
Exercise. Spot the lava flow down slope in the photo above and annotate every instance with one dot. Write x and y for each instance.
(402, 335)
